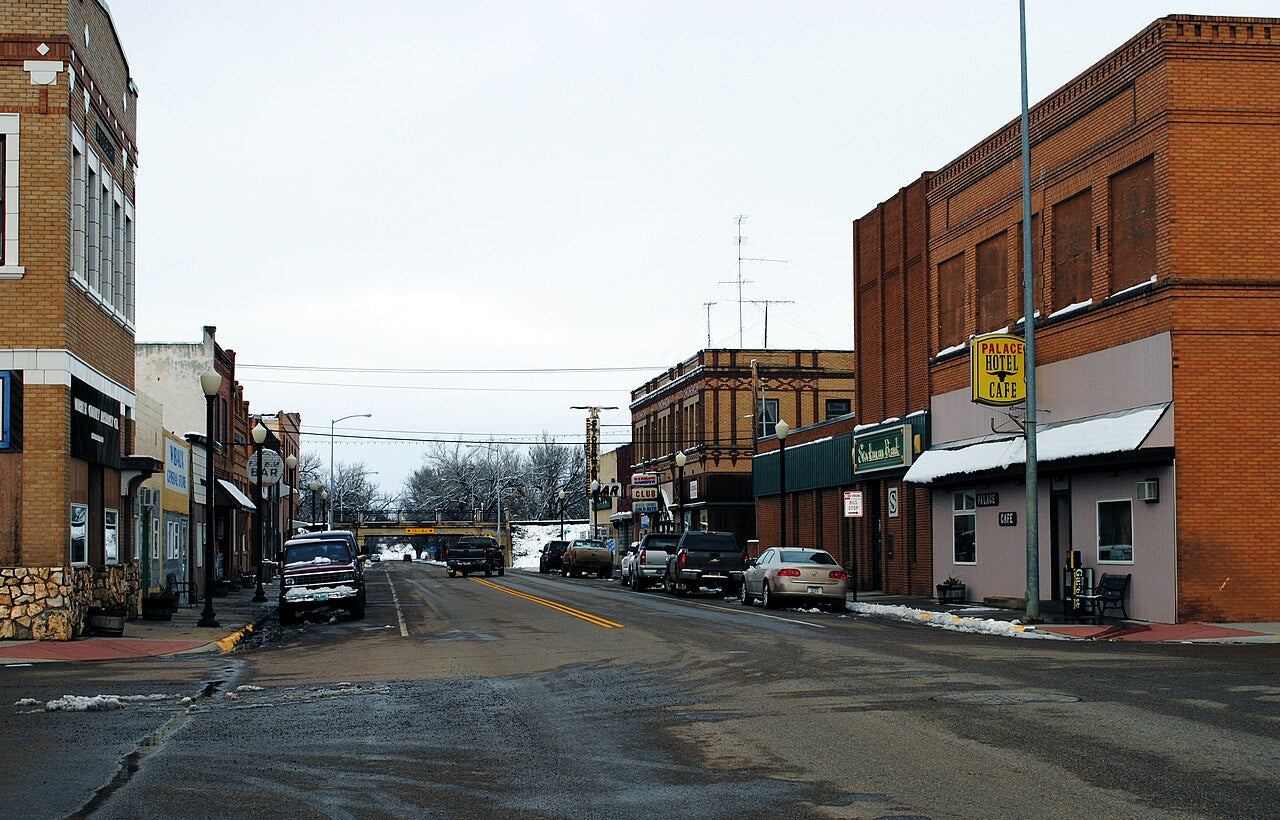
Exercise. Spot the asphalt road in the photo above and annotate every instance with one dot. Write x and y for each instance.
(538, 696)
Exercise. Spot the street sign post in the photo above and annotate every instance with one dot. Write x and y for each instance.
(853, 504)
(272, 468)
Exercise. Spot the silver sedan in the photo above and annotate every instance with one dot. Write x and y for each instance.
(795, 574)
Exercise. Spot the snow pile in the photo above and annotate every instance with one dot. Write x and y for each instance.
(397, 552)
(527, 541)
(955, 623)
(80, 703)
(26, 702)
(309, 593)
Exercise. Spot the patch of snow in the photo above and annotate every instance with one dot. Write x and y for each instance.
(397, 552)
(81, 703)
(952, 622)
(916, 413)
(527, 541)
(1132, 288)
(248, 687)
(947, 351)
(309, 593)
(319, 559)
(1076, 308)
(27, 702)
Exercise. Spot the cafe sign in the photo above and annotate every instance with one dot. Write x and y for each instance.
(997, 374)
(883, 449)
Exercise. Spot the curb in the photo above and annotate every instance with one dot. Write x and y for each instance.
(228, 643)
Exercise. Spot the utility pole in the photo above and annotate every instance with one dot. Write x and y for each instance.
(1029, 306)
(593, 451)
(766, 303)
(708, 305)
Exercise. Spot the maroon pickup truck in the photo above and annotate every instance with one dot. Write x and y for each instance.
(319, 573)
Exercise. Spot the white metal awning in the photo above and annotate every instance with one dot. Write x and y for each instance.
(237, 497)
(1120, 432)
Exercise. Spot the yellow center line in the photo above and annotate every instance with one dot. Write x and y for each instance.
(568, 610)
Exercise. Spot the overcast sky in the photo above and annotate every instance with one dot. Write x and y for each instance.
(542, 185)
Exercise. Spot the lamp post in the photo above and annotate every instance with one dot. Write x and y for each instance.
(210, 383)
(561, 495)
(595, 495)
(324, 498)
(681, 460)
(329, 510)
(781, 429)
(259, 438)
(291, 461)
(314, 487)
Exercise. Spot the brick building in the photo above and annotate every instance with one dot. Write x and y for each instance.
(715, 407)
(1153, 245)
(68, 138)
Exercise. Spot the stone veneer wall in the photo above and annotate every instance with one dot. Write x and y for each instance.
(52, 603)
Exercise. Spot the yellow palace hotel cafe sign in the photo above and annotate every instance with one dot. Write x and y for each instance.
(997, 363)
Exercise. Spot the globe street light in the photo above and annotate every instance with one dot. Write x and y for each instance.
(259, 438)
(328, 509)
(781, 429)
(561, 495)
(291, 461)
(210, 383)
(681, 460)
(314, 487)
(595, 501)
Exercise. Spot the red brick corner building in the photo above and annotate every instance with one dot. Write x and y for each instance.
(68, 151)
(1154, 240)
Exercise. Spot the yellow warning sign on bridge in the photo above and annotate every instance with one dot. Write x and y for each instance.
(420, 531)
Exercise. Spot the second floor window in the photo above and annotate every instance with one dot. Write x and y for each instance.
(766, 417)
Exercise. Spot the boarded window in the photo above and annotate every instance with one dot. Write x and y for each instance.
(951, 301)
(993, 282)
(1072, 250)
(1133, 225)
(1037, 264)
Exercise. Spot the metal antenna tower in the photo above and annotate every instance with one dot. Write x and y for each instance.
(766, 303)
(739, 281)
(708, 305)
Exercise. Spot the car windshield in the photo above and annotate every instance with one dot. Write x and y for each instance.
(589, 544)
(664, 542)
(317, 552)
(805, 557)
(719, 543)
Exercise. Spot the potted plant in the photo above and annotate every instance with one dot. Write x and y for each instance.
(159, 606)
(951, 591)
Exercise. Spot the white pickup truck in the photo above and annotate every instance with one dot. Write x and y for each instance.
(646, 566)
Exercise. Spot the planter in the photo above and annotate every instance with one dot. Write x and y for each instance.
(951, 594)
(106, 621)
(158, 607)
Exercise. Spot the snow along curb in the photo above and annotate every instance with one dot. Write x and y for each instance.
(954, 623)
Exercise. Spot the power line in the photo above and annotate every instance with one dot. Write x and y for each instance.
(448, 371)
(455, 389)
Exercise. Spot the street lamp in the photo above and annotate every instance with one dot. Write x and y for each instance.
(324, 499)
(561, 495)
(329, 510)
(595, 500)
(259, 438)
(681, 460)
(210, 383)
(291, 461)
(314, 487)
(781, 429)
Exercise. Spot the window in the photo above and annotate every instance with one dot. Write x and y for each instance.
(10, 264)
(111, 536)
(1133, 225)
(766, 417)
(951, 302)
(77, 210)
(1072, 250)
(1115, 531)
(79, 534)
(93, 213)
(117, 258)
(837, 408)
(106, 272)
(993, 282)
(130, 297)
(964, 527)
(1037, 264)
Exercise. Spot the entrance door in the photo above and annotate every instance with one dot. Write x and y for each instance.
(1059, 537)
(875, 527)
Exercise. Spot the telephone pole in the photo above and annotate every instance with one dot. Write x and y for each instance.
(739, 281)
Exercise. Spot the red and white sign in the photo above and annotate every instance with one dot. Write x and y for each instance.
(853, 504)
(644, 480)
(643, 493)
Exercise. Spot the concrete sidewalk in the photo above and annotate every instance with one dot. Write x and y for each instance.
(236, 613)
(1112, 629)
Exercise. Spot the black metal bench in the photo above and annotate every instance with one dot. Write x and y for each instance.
(179, 589)
(1108, 594)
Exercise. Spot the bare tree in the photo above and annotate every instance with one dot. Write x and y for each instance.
(310, 468)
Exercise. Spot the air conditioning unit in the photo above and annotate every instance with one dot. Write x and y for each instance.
(1149, 490)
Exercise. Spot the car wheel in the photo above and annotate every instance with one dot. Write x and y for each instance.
(637, 583)
(623, 579)
(766, 600)
(667, 586)
(744, 597)
(357, 609)
(287, 615)
(487, 572)
(502, 571)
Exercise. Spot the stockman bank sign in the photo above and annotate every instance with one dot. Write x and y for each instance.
(997, 363)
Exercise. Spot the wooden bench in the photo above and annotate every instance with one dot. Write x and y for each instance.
(1108, 594)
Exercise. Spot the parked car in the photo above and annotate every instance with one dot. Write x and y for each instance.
(795, 575)
(704, 558)
(473, 553)
(552, 556)
(375, 557)
(649, 563)
(587, 555)
(318, 573)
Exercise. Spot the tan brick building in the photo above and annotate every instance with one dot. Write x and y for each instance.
(1154, 238)
(69, 143)
(715, 406)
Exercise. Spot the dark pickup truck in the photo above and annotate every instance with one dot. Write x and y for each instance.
(705, 559)
(473, 553)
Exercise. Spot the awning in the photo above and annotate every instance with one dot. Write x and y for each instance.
(229, 495)
(1120, 432)
(619, 517)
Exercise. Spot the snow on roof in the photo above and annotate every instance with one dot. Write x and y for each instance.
(1111, 433)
